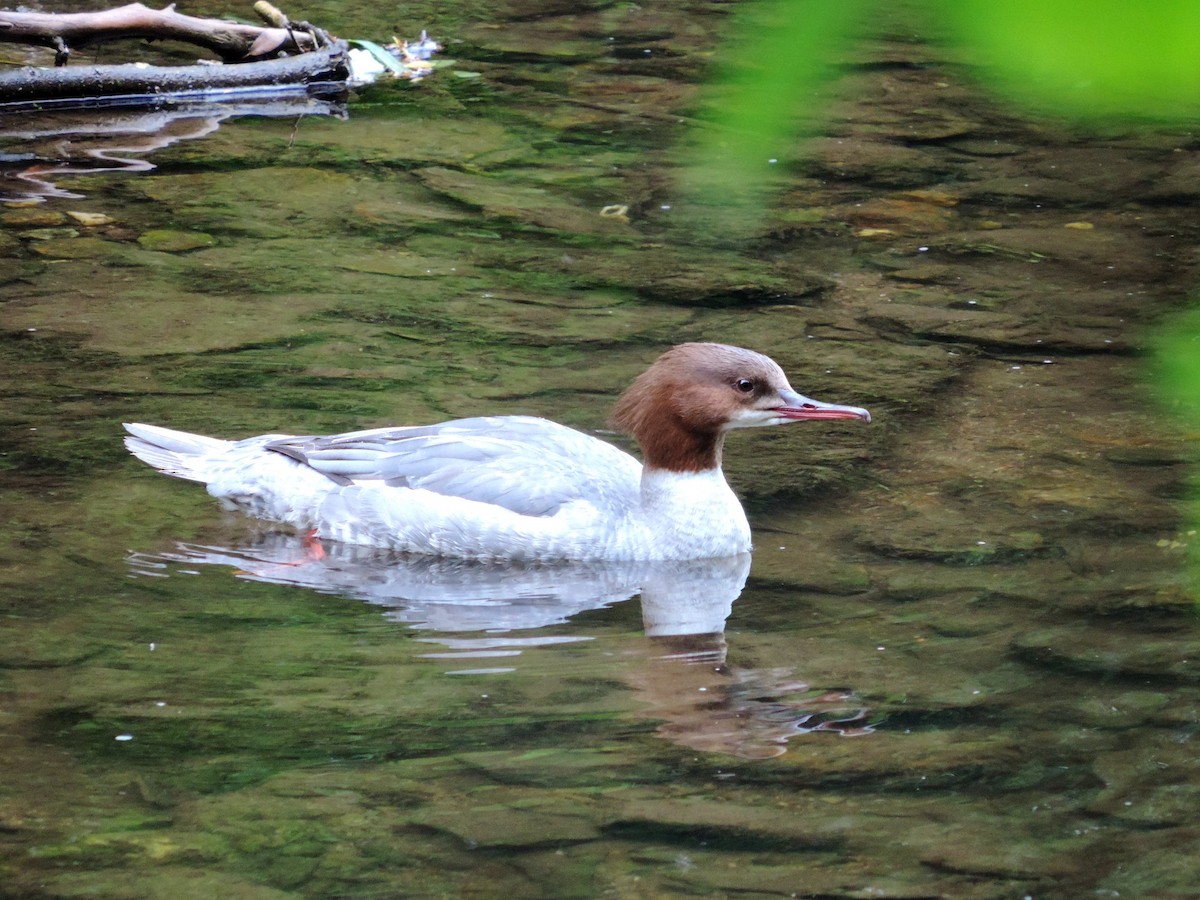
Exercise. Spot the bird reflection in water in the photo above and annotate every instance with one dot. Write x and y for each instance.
(491, 612)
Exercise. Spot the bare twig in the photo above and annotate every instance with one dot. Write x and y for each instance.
(231, 41)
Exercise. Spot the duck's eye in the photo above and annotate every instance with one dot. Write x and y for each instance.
(744, 385)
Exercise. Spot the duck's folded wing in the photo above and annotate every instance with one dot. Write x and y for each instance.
(527, 465)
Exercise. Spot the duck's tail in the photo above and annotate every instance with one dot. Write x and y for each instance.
(177, 453)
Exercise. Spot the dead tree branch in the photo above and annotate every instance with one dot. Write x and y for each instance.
(322, 71)
(231, 41)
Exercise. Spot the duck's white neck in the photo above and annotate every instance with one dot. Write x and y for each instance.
(693, 514)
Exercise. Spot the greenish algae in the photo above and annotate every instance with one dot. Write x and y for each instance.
(308, 745)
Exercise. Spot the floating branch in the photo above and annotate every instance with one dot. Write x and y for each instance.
(282, 58)
(231, 41)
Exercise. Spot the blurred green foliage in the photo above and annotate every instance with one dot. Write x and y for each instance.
(1178, 365)
(1177, 381)
(771, 72)
(1085, 59)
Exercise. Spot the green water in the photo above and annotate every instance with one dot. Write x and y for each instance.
(963, 664)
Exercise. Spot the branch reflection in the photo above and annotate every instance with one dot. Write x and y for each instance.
(38, 150)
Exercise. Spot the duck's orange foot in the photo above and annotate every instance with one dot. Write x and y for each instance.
(312, 546)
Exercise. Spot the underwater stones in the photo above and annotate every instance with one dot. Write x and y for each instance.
(907, 760)
(1103, 254)
(543, 797)
(734, 283)
(75, 248)
(983, 853)
(1100, 707)
(1093, 168)
(1143, 654)
(1152, 862)
(925, 273)
(90, 219)
(32, 648)
(719, 281)
(1181, 183)
(1003, 330)
(167, 240)
(409, 265)
(792, 560)
(504, 197)
(554, 40)
(854, 158)
(430, 139)
(1148, 791)
(407, 209)
(1135, 452)
(549, 767)
(914, 213)
(9, 244)
(549, 320)
(515, 819)
(1146, 599)
(951, 546)
(914, 523)
(259, 204)
(730, 825)
(985, 147)
(57, 233)
(32, 217)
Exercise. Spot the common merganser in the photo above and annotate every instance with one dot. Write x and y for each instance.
(517, 487)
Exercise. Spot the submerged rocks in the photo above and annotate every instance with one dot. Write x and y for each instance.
(982, 595)
(1140, 655)
(510, 199)
(166, 240)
